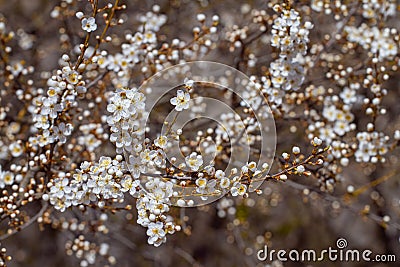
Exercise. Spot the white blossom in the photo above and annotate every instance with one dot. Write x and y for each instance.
(89, 24)
(181, 101)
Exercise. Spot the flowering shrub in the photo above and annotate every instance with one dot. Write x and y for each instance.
(132, 124)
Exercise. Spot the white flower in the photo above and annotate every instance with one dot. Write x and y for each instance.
(60, 188)
(132, 52)
(296, 150)
(181, 101)
(72, 76)
(364, 152)
(136, 166)
(61, 131)
(201, 182)
(238, 189)
(119, 107)
(6, 178)
(330, 113)
(252, 166)
(128, 184)
(58, 203)
(145, 156)
(326, 133)
(121, 138)
(41, 121)
(17, 68)
(149, 37)
(113, 62)
(89, 24)
(396, 135)
(45, 138)
(16, 149)
(219, 174)
(300, 169)
(341, 128)
(156, 233)
(188, 83)
(317, 141)
(225, 182)
(194, 161)
(153, 21)
(90, 141)
(348, 95)
(105, 162)
(51, 107)
(209, 169)
(158, 157)
(207, 187)
(161, 141)
(80, 177)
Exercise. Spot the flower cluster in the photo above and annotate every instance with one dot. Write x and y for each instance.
(140, 49)
(372, 9)
(338, 120)
(226, 207)
(372, 146)
(88, 252)
(91, 183)
(290, 36)
(83, 140)
(143, 48)
(127, 109)
(91, 137)
(152, 207)
(3, 256)
(60, 96)
(377, 41)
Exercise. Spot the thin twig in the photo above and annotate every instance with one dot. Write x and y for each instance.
(122, 239)
(96, 80)
(31, 220)
(187, 257)
(332, 40)
(330, 198)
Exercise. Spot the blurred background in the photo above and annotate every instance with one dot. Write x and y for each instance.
(290, 215)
